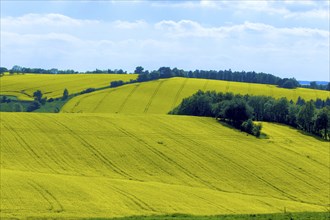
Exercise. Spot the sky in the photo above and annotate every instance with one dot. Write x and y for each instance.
(287, 38)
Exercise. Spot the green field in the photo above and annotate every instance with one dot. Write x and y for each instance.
(161, 96)
(52, 85)
(107, 165)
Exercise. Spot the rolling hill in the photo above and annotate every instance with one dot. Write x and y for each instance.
(161, 96)
(52, 85)
(107, 165)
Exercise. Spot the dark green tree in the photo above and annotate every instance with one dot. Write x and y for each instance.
(247, 126)
(37, 95)
(313, 85)
(269, 113)
(33, 106)
(305, 116)
(3, 70)
(292, 115)
(139, 70)
(65, 94)
(236, 111)
(322, 122)
(281, 110)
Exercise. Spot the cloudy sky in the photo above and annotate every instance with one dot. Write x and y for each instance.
(285, 38)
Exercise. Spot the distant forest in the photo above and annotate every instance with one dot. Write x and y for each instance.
(167, 72)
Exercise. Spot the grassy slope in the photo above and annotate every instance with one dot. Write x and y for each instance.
(161, 96)
(98, 165)
(52, 85)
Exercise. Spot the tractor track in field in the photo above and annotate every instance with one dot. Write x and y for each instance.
(249, 89)
(293, 166)
(55, 205)
(287, 197)
(81, 97)
(205, 85)
(242, 168)
(121, 107)
(146, 157)
(227, 86)
(179, 92)
(26, 146)
(213, 204)
(102, 99)
(138, 202)
(39, 125)
(96, 153)
(153, 96)
(164, 157)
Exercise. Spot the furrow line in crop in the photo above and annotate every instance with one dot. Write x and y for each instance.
(179, 92)
(94, 151)
(227, 86)
(29, 149)
(211, 203)
(205, 84)
(293, 166)
(241, 167)
(127, 134)
(140, 203)
(164, 157)
(107, 93)
(53, 202)
(39, 124)
(121, 107)
(153, 96)
(285, 194)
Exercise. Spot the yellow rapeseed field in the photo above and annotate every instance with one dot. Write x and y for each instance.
(161, 96)
(52, 85)
(106, 165)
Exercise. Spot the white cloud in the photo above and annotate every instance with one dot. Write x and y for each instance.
(315, 13)
(186, 28)
(209, 4)
(307, 8)
(45, 20)
(294, 2)
(130, 25)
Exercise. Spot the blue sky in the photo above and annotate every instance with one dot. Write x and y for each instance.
(285, 38)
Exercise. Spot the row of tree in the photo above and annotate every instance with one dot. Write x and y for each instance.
(167, 72)
(240, 110)
(19, 69)
(229, 75)
(22, 70)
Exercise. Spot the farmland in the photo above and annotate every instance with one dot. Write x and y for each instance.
(108, 165)
(52, 85)
(161, 96)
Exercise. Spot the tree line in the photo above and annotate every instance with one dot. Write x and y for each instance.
(227, 75)
(238, 110)
(22, 70)
(167, 72)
